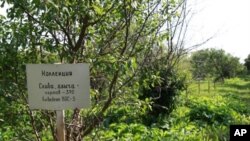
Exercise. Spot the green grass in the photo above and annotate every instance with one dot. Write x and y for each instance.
(239, 87)
(199, 116)
(213, 109)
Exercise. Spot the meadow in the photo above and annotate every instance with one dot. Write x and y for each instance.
(209, 109)
(203, 115)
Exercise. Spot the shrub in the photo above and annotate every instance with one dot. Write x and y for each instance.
(164, 94)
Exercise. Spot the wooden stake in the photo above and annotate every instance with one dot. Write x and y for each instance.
(199, 86)
(60, 126)
(208, 86)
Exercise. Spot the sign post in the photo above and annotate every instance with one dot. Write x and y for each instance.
(60, 125)
(58, 87)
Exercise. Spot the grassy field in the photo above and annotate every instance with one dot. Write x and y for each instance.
(199, 116)
(239, 87)
(209, 110)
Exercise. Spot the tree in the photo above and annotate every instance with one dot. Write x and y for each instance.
(120, 40)
(247, 63)
(215, 63)
(200, 66)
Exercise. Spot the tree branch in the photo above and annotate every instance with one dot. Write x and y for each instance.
(85, 24)
(66, 33)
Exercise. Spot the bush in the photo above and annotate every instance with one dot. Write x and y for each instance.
(219, 110)
(164, 94)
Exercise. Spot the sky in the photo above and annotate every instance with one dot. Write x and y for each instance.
(226, 21)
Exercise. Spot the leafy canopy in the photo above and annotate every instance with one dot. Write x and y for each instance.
(215, 63)
(119, 39)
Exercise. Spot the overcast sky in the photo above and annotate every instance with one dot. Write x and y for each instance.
(228, 21)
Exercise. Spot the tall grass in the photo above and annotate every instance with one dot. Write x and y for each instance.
(201, 115)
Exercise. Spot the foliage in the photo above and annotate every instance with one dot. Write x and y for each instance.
(247, 63)
(118, 39)
(164, 93)
(133, 48)
(196, 118)
(210, 111)
(215, 63)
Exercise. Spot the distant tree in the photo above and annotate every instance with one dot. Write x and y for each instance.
(215, 63)
(247, 63)
(199, 61)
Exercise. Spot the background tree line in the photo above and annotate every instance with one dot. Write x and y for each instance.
(215, 64)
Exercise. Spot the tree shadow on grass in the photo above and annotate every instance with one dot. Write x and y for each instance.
(231, 91)
(241, 91)
(239, 86)
(245, 78)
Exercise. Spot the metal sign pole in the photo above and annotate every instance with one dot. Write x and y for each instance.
(60, 126)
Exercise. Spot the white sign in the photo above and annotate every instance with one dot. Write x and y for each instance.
(58, 86)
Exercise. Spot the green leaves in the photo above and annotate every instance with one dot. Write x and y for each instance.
(134, 4)
(51, 3)
(98, 9)
(121, 42)
(215, 63)
(247, 63)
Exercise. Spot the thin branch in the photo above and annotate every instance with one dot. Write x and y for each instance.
(127, 24)
(142, 27)
(103, 16)
(65, 32)
(39, 22)
(32, 119)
